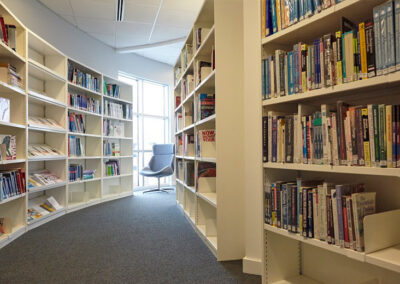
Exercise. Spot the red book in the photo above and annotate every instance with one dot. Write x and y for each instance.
(345, 224)
(3, 28)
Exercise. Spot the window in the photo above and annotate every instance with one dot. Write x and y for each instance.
(151, 125)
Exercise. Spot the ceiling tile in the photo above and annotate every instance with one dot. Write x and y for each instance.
(167, 54)
(166, 32)
(140, 13)
(70, 19)
(176, 18)
(128, 34)
(106, 38)
(59, 6)
(96, 25)
(94, 9)
(145, 2)
(187, 5)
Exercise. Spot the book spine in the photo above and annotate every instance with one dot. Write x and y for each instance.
(360, 136)
(383, 35)
(397, 32)
(390, 49)
(265, 139)
(394, 137)
(363, 51)
(382, 136)
(365, 136)
(375, 114)
(316, 221)
(305, 212)
(345, 224)
(304, 67)
(274, 18)
(278, 14)
(310, 218)
(377, 36)
(268, 18)
(322, 63)
(338, 55)
(398, 136)
(388, 132)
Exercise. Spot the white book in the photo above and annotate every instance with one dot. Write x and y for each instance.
(335, 217)
(54, 203)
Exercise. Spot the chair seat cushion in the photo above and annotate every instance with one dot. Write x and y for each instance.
(166, 171)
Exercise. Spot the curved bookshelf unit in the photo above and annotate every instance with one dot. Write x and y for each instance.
(42, 104)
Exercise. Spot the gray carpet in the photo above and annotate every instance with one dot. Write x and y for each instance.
(141, 239)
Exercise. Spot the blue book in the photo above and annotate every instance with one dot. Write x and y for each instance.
(290, 71)
(301, 9)
(383, 36)
(263, 87)
(390, 50)
(317, 6)
(273, 16)
(397, 32)
(295, 11)
(268, 18)
(284, 206)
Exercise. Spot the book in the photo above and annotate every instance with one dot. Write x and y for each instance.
(4, 110)
(8, 147)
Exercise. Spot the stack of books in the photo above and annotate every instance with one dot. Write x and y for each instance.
(362, 135)
(111, 90)
(117, 110)
(42, 150)
(75, 146)
(84, 102)
(8, 34)
(206, 105)
(113, 128)
(111, 148)
(82, 79)
(40, 207)
(9, 75)
(76, 123)
(44, 122)
(42, 178)
(320, 210)
(112, 168)
(76, 173)
(12, 183)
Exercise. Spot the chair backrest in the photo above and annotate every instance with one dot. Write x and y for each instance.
(163, 155)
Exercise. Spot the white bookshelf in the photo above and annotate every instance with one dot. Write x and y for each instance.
(213, 207)
(45, 93)
(289, 257)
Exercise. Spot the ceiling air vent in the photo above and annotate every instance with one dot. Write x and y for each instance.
(120, 10)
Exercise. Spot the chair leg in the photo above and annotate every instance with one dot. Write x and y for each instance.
(158, 189)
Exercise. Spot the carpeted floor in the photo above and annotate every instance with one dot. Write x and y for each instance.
(141, 239)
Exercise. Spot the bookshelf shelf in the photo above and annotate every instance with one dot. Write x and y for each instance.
(117, 176)
(394, 172)
(207, 44)
(298, 280)
(84, 158)
(210, 197)
(45, 99)
(117, 137)
(386, 258)
(84, 134)
(12, 198)
(16, 232)
(47, 129)
(6, 88)
(47, 187)
(80, 89)
(117, 99)
(206, 159)
(115, 118)
(16, 161)
(81, 111)
(207, 84)
(46, 218)
(10, 124)
(83, 181)
(43, 73)
(211, 118)
(47, 158)
(7, 52)
(190, 127)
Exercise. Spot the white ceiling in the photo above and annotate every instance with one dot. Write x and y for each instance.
(145, 22)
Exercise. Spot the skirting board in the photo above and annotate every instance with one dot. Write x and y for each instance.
(252, 266)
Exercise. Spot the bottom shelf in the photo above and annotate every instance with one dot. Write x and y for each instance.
(7, 238)
(298, 280)
(45, 218)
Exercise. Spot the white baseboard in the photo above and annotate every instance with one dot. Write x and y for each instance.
(252, 266)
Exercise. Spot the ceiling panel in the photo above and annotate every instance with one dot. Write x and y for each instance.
(95, 9)
(96, 25)
(106, 38)
(145, 2)
(167, 54)
(140, 13)
(128, 34)
(185, 5)
(167, 32)
(60, 6)
(176, 18)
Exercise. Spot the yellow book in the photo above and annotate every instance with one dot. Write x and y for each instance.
(339, 59)
(263, 18)
(367, 153)
(389, 136)
(278, 15)
(363, 51)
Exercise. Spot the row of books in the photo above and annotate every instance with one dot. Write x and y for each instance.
(199, 36)
(350, 54)
(12, 183)
(189, 144)
(365, 135)
(42, 178)
(84, 102)
(117, 110)
(280, 14)
(111, 148)
(320, 210)
(205, 143)
(8, 147)
(205, 105)
(76, 122)
(111, 168)
(186, 55)
(43, 150)
(40, 207)
(75, 146)
(9, 75)
(190, 174)
(187, 87)
(186, 172)
(111, 90)
(113, 128)
(83, 79)
(8, 34)
(76, 173)
(44, 122)
(202, 70)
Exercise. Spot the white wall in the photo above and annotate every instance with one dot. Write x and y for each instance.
(84, 48)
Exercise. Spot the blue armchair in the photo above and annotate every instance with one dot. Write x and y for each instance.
(161, 164)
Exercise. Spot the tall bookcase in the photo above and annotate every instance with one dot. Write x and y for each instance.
(289, 257)
(45, 93)
(215, 208)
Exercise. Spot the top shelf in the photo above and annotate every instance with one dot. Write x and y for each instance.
(41, 46)
(326, 21)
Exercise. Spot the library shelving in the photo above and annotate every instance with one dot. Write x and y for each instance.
(293, 258)
(212, 203)
(51, 87)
